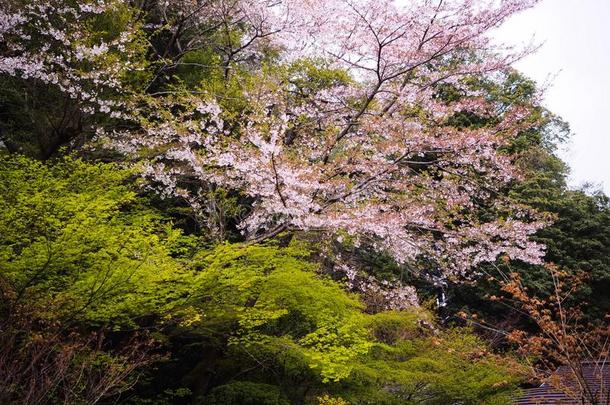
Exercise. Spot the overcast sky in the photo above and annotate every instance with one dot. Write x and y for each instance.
(575, 37)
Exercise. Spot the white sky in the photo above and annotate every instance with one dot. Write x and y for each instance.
(575, 37)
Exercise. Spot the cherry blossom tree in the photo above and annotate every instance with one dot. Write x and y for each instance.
(375, 155)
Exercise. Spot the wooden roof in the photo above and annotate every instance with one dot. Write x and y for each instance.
(563, 387)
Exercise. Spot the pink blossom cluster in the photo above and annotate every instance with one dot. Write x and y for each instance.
(370, 186)
(50, 41)
(382, 295)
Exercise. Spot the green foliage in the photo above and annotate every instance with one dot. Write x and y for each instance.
(76, 242)
(245, 393)
(328, 400)
(579, 241)
(308, 76)
(267, 322)
(198, 67)
(272, 295)
(413, 365)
